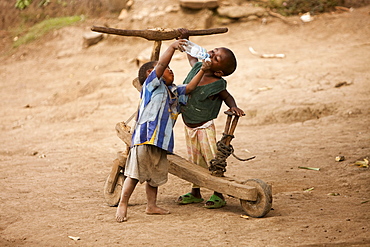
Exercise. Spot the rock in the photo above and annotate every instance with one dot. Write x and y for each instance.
(172, 8)
(123, 15)
(129, 4)
(91, 38)
(115, 5)
(250, 18)
(237, 12)
(199, 4)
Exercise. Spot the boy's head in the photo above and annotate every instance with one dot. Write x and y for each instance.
(223, 61)
(146, 68)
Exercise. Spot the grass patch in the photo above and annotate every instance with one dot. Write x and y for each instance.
(44, 27)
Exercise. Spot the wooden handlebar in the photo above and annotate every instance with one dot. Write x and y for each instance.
(158, 34)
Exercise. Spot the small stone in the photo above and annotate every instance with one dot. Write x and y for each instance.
(339, 158)
(199, 4)
(92, 38)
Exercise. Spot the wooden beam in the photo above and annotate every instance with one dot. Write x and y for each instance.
(156, 50)
(158, 34)
(188, 171)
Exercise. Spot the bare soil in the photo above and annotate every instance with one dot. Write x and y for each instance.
(60, 103)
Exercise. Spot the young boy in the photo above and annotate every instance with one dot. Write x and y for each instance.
(153, 134)
(203, 106)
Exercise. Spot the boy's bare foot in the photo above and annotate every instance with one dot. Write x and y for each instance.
(121, 214)
(156, 210)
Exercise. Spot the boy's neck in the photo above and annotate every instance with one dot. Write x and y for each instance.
(208, 78)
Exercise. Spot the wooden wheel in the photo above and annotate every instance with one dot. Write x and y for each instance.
(112, 198)
(262, 205)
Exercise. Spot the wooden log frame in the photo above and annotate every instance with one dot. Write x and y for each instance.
(193, 173)
(179, 166)
(229, 131)
(218, 164)
(158, 33)
(156, 50)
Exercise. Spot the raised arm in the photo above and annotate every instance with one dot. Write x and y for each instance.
(192, 60)
(166, 57)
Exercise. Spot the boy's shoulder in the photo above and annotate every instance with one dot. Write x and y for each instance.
(151, 76)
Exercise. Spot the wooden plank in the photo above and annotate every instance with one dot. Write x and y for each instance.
(188, 171)
(113, 176)
(123, 132)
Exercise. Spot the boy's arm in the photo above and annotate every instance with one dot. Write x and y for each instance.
(230, 102)
(192, 60)
(166, 57)
(206, 65)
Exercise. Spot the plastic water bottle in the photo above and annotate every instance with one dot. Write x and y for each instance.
(196, 51)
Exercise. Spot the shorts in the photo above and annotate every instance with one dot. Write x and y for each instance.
(147, 163)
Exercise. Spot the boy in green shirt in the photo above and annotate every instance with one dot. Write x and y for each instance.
(203, 106)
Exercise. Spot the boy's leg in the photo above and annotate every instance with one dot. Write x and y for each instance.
(208, 149)
(128, 187)
(152, 208)
(192, 147)
(201, 147)
(195, 191)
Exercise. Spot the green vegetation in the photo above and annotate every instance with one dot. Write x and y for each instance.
(44, 27)
(295, 7)
(22, 4)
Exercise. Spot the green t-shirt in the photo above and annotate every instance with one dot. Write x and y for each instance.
(203, 103)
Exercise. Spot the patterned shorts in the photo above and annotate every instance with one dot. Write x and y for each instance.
(201, 144)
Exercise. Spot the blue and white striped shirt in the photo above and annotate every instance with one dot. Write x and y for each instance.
(157, 113)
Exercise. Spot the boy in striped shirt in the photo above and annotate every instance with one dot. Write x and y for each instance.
(153, 136)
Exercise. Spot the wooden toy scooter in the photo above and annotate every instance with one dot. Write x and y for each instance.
(254, 194)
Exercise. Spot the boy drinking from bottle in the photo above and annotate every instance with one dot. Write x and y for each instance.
(203, 106)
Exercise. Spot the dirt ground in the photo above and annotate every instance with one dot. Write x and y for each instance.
(60, 104)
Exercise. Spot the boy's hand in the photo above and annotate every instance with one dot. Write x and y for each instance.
(184, 33)
(237, 111)
(180, 44)
(206, 65)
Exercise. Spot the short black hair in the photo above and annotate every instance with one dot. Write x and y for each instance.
(230, 63)
(143, 69)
